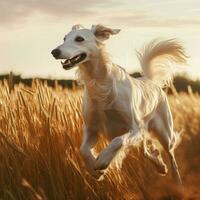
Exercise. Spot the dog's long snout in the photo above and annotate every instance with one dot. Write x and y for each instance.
(56, 53)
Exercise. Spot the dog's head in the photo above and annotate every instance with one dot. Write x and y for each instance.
(81, 44)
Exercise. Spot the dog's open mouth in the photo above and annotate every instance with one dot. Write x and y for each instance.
(69, 63)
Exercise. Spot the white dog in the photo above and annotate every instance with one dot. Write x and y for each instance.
(115, 104)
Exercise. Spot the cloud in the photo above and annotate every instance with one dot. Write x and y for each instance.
(16, 11)
(149, 19)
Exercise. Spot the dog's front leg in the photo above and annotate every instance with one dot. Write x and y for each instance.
(108, 154)
(89, 140)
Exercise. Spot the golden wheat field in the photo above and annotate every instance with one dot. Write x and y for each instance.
(40, 135)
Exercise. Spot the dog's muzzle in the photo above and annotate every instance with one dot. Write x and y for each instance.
(69, 63)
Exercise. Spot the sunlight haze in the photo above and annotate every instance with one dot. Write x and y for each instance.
(31, 29)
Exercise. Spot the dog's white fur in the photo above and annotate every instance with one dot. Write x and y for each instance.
(119, 106)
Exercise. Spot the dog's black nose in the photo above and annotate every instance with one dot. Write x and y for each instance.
(56, 53)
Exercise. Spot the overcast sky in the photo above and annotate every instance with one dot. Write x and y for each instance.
(30, 29)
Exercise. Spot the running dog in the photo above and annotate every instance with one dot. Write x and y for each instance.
(118, 106)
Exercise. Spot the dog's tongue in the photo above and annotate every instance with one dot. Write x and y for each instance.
(67, 61)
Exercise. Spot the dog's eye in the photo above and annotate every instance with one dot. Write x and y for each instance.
(79, 39)
(64, 38)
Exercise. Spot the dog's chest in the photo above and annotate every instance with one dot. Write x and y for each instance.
(111, 122)
(115, 123)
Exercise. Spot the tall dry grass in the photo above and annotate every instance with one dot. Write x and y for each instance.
(40, 135)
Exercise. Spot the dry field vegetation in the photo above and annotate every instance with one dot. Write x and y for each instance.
(40, 135)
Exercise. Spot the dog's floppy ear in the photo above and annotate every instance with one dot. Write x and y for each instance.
(76, 27)
(103, 33)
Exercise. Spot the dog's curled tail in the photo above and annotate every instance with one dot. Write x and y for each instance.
(156, 60)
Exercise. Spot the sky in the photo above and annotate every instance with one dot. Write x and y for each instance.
(30, 29)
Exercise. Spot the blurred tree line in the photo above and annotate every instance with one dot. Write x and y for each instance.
(181, 83)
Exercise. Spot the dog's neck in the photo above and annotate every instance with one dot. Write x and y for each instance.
(97, 68)
(98, 79)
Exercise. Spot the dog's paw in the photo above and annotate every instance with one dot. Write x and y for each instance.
(158, 162)
(103, 160)
(162, 170)
(94, 173)
(161, 166)
(97, 174)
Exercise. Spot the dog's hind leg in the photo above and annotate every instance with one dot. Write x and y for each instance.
(89, 140)
(155, 158)
(163, 124)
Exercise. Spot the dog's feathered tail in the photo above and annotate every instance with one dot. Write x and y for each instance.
(157, 57)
